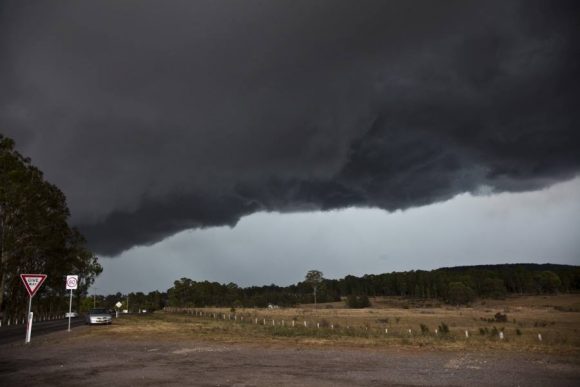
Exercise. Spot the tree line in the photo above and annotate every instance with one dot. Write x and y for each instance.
(456, 285)
(134, 302)
(35, 237)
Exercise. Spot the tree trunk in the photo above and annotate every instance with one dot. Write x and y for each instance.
(315, 298)
(3, 260)
(2, 286)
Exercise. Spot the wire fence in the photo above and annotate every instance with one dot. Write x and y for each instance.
(323, 327)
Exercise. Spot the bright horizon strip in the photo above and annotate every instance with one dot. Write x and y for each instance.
(264, 248)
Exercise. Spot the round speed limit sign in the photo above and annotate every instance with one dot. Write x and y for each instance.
(72, 281)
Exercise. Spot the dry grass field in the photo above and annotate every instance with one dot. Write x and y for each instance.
(338, 347)
(389, 322)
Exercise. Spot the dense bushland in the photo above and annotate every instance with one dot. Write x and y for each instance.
(456, 285)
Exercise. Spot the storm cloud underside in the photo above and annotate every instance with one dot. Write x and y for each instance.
(159, 117)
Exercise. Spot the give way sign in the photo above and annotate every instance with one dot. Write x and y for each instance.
(32, 282)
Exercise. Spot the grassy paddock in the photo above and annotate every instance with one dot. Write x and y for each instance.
(386, 323)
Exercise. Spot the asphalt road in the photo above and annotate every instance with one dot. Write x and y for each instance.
(9, 334)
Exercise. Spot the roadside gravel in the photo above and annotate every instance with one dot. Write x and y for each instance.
(62, 359)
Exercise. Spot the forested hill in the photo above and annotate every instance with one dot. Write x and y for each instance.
(456, 285)
(476, 281)
(534, 267)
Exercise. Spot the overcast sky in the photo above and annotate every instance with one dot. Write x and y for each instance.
(251, 141)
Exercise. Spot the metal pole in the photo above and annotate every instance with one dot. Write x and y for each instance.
(69, 310)
(29, 325)
(94, 296)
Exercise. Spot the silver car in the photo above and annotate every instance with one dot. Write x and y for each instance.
(98, 316)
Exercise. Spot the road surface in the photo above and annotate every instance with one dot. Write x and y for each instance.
(9, 334)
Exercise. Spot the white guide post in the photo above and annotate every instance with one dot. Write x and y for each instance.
(29, 323)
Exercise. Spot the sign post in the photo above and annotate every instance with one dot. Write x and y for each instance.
(118, 305)
(32, 282)
(71, 283)
(29, 320)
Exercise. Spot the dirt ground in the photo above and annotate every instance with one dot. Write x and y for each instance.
(73, 359)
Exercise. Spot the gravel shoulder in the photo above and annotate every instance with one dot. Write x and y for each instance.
(71, 359)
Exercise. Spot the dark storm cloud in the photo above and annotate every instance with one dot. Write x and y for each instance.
(156, 117)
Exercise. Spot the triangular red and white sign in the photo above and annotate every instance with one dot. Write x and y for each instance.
(32, 282)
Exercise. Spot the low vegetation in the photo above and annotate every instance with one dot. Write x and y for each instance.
(531, 324)
(357, 302)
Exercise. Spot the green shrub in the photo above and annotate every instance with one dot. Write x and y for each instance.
(358, 302)
(443, 328)
(459, 294)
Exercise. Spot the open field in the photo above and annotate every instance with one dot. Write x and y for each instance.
(187, 349)
(397, 321)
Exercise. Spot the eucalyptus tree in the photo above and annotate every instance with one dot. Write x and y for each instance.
(314, 278)
(16, 176)
(34, 233)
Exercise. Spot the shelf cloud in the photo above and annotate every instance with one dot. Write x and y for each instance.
(156, 117)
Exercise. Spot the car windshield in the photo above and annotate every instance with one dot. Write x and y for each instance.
(98, 311)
